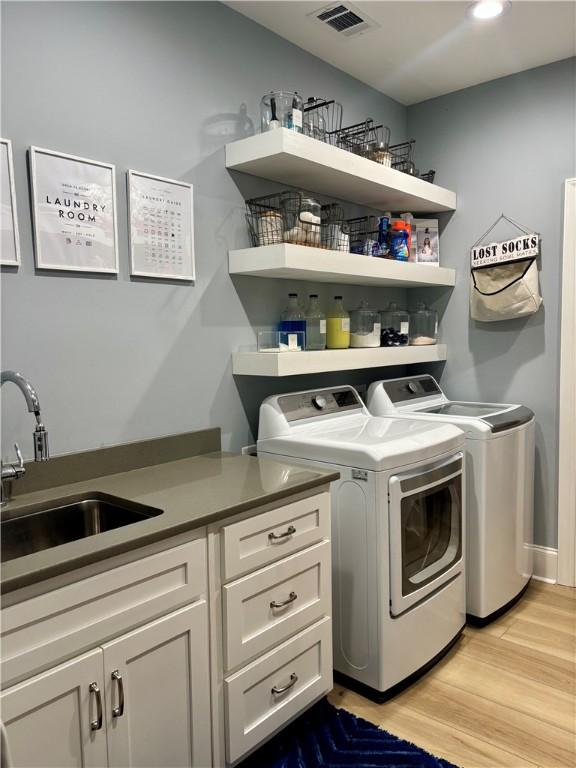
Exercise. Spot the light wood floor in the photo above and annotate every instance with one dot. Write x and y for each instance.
(505, 696)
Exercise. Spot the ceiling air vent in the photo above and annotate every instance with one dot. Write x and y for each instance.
(344, 19)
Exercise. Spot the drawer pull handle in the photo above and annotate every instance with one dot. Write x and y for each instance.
(119, 710)
(290, 531)
(283, 603)
(96, 725)
(284, 688)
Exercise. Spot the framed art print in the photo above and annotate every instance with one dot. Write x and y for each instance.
(161, 225)
(9, 237)
(427, 242)
(74, 212)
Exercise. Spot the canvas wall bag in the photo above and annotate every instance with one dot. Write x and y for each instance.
(506, 290)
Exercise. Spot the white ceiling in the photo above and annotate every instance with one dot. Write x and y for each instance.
(424, 48)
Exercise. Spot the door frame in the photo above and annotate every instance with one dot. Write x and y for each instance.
(567, 398)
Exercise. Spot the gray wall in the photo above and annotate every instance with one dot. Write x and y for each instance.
(156, 87)
(506, 146)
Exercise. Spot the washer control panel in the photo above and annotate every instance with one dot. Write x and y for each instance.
(319, 402)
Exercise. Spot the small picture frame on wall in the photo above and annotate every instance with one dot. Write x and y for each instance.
(9, 236)
(161, 226)
(427, 242)
(74, 212)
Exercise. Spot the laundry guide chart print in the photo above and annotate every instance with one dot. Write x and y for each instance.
(74, 212)
(161, 227)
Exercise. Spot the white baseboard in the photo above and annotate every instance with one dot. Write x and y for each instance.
(545, 564)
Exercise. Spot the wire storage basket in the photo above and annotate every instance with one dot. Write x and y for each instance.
(428, 176)
(402, 156)
(363, 234)
(367, 140)
(322, 118)
(335, 233)
(294, 217)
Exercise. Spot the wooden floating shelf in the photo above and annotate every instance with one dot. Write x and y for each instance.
(300, 363)
(300, 161)
(301, 262)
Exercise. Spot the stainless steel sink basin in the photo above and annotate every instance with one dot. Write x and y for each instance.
(49, 524)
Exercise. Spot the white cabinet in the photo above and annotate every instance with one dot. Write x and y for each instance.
(139, 701)
(54, 720)
(271, 633)
(266, 607)
(271, 691)
(157, 693)
(171, 660)
(270, 536)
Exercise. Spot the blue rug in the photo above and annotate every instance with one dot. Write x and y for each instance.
(327, 737)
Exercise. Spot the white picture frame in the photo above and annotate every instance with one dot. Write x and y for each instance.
(161, 227)
(427, 242)
(73, 212)
(9, 234)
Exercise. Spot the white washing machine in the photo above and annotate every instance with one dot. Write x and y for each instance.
(397, 530)
(499, 482)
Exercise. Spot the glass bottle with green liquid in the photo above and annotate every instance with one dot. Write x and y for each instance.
(337, 326)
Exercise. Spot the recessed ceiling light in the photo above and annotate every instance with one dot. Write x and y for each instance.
(489, 9)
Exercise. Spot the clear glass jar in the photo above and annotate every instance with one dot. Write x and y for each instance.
(281, 109)
(395, 326)
(292, 320)
(423, 326)
(364, 326)
(315, 325)
(337, 326)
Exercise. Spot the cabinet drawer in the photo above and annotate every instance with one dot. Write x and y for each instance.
(262, 539)
(254, 617)
(256, 707)
(46, 629)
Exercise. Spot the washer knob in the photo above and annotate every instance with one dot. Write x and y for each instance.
(412, 387)
(319, 402)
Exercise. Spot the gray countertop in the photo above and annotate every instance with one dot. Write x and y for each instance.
(192, 492)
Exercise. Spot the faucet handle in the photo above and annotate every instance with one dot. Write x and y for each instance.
(19, 456)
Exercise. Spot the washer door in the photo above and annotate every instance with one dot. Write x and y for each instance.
(425, 531)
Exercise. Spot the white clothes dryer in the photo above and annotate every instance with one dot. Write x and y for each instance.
(499, 482)
(398, 530)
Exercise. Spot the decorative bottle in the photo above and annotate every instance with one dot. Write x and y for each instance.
(292, 326)
(315, 325)
(337, 326)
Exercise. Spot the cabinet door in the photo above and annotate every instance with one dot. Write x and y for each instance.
(52, 720)
(158, 694)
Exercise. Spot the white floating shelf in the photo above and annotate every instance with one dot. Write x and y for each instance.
(300, 161)
(298, 363)
(301, 262)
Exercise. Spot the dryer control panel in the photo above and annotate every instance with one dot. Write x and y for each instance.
(306, 405)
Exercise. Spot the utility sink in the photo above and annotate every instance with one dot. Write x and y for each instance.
(49, 524)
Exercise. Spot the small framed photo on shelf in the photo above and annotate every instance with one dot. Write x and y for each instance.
(161, 225)
(427, 241)
(9, 237)
(74, 212)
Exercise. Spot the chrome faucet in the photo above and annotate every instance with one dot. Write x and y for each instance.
(12, 472)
